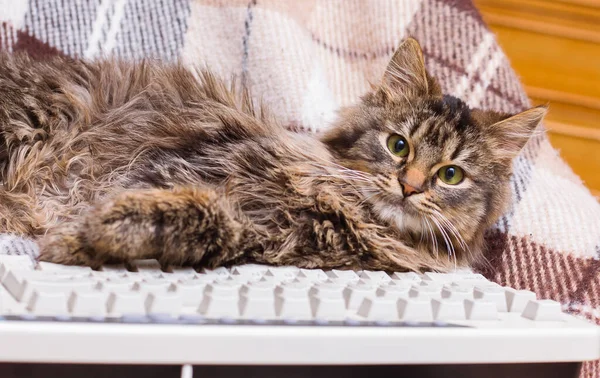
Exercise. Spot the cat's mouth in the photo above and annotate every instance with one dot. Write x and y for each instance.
(398, 211)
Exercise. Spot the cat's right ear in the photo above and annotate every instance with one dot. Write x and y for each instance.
(406, 73)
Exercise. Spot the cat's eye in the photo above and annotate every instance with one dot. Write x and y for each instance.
(451, 174)
(398, 145)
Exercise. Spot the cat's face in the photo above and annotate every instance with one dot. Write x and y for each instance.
(436, 167)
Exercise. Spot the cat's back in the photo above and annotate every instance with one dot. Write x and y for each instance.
(71, 129)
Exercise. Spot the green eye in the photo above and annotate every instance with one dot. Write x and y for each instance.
(398, 145)
(451, 174)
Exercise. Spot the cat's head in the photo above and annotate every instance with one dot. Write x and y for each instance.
(436, 167)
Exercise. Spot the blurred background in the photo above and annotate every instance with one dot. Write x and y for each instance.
(554, 45)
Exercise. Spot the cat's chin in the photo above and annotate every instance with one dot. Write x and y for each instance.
(396, 216)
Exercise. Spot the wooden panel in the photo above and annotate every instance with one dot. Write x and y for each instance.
(558, 64)
(554, 46)
(564, 19)
(587, 164)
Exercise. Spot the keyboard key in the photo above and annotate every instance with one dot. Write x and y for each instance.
(476, 309)
(44, 303)
(438, 277)
(447, 310)
(153, 285)
(328, 308)
(125, 303)
(251, 272)
(491, 294)
(164, 303)
(16, 262)
(516, 300)
(375, 276)
(223, 289)
(122, 285)
(263, 289)
(294, 289)
(383, 308)
(47, 267)
(21, 284)
(281, 274)
(415, 309)
(87, 303)
(470, 277)
(249, 268)
(216, 306)
(543, 310)
(247, 276)
(219, 273)
(393, 291)
(259, 306)
(203, 278)
(183, 271)
(103, 276)
(314, 275)
(457, 293)
(425, 292)
(327, 290)
(191, 291)
(345, 276)
(354, 294)
(409, 276)
(293, 307)
(454, 277)
(430, 285)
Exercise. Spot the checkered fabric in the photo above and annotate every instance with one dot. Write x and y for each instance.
(307, 58)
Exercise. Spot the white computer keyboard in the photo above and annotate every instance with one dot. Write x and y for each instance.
(276, 315)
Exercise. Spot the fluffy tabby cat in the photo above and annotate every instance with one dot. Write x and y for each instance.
(109, 161)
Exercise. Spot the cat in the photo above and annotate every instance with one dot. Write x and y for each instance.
(108, 161)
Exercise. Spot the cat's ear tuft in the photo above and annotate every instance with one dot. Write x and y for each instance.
(406, 73)
(509, 135)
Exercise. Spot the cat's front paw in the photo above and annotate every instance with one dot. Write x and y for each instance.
(65, 247)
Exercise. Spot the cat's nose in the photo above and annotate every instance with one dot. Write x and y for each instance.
(408, 190)
(412, 182)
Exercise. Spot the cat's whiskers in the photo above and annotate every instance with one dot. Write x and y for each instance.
(374, 194)
(447, 240)
(342, 173)
(452, 229)
(433, 238)
(333, 165)
(339, 176)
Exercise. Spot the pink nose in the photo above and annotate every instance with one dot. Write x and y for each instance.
(408, 190)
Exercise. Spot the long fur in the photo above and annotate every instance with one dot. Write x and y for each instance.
(109, 161)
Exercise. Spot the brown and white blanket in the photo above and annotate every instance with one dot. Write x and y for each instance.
(307, 58)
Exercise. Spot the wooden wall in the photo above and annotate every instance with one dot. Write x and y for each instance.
(554, 45)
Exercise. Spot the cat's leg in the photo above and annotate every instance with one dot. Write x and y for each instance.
(330, 245)
(331, 233)
(182, 226)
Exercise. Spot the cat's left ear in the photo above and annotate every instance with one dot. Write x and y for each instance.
(406, 73)
(509, 136)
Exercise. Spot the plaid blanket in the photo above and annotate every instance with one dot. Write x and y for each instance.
(308, 58)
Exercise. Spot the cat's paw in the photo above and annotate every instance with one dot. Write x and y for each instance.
(65, 247)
